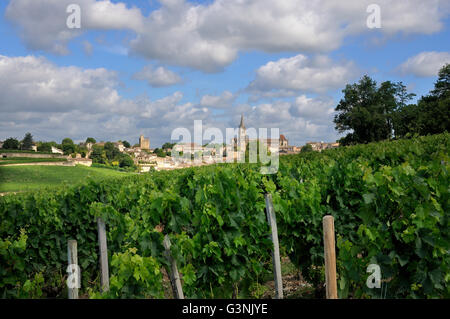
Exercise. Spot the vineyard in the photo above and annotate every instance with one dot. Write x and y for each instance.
(390, 202)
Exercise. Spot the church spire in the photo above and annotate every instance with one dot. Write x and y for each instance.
(242, 122)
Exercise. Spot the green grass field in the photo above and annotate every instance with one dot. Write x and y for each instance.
(2, 150)
(24, 160)
(24, 178)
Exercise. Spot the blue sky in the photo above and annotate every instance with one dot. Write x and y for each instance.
(148, 67)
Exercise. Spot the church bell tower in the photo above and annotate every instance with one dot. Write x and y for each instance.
(242, 138)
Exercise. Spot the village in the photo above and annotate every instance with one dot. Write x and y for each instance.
(146, 158)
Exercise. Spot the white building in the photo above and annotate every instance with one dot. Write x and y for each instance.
(120, 146)
(56, 150)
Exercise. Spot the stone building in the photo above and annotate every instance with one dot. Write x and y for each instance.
(191, 148)
(242, 136)
(273, 144)
(283, 141)
(320, 146)
(144, 143)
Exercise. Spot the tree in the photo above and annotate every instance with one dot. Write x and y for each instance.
(27, 142)
(11, 144)
(98, 155)
(45, 147)
(111, 151)
(126, 161)
(168, 145)
(368, 111)
(307, 148)
(434, 109)
(68, 146)
(159, 152)
(406, 121)
(442, 85)
(431, 114)
(126, 144)
(67, 141)
(91, 140)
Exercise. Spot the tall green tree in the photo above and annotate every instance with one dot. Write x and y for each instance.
(68, 146)
(442, 85)
(368, 111)
(98, 155)
(27, 142)
(111, 151)
(431, 115)
(434, 109)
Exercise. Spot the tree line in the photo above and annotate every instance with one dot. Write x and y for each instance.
(108, 154)
(371, 112)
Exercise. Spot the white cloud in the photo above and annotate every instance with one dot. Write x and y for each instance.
(54, 102)
(30, 83)
(215, 33)
(208, 37)
(300, 73)
(157, 77)
(42, 23)
(224, 100)
(425, 64)
(314, 109)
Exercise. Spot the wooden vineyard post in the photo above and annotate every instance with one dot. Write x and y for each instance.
(103, 255)
(174, 275)
(73, 269)
(276, 249)
(330, 257)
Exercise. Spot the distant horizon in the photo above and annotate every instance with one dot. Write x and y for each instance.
(116, 141)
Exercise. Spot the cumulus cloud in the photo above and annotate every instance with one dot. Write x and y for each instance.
(217, 31)
(54, 102)
(157, 77)
(300, 73)
(315, 109)
(224, 100)
(208, 37)
(42, 23)
(425, 64)
(30, 83)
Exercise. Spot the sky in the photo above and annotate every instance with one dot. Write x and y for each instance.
(148, 67)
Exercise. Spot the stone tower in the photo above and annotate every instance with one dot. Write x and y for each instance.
(144, 143)
(242, 137)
